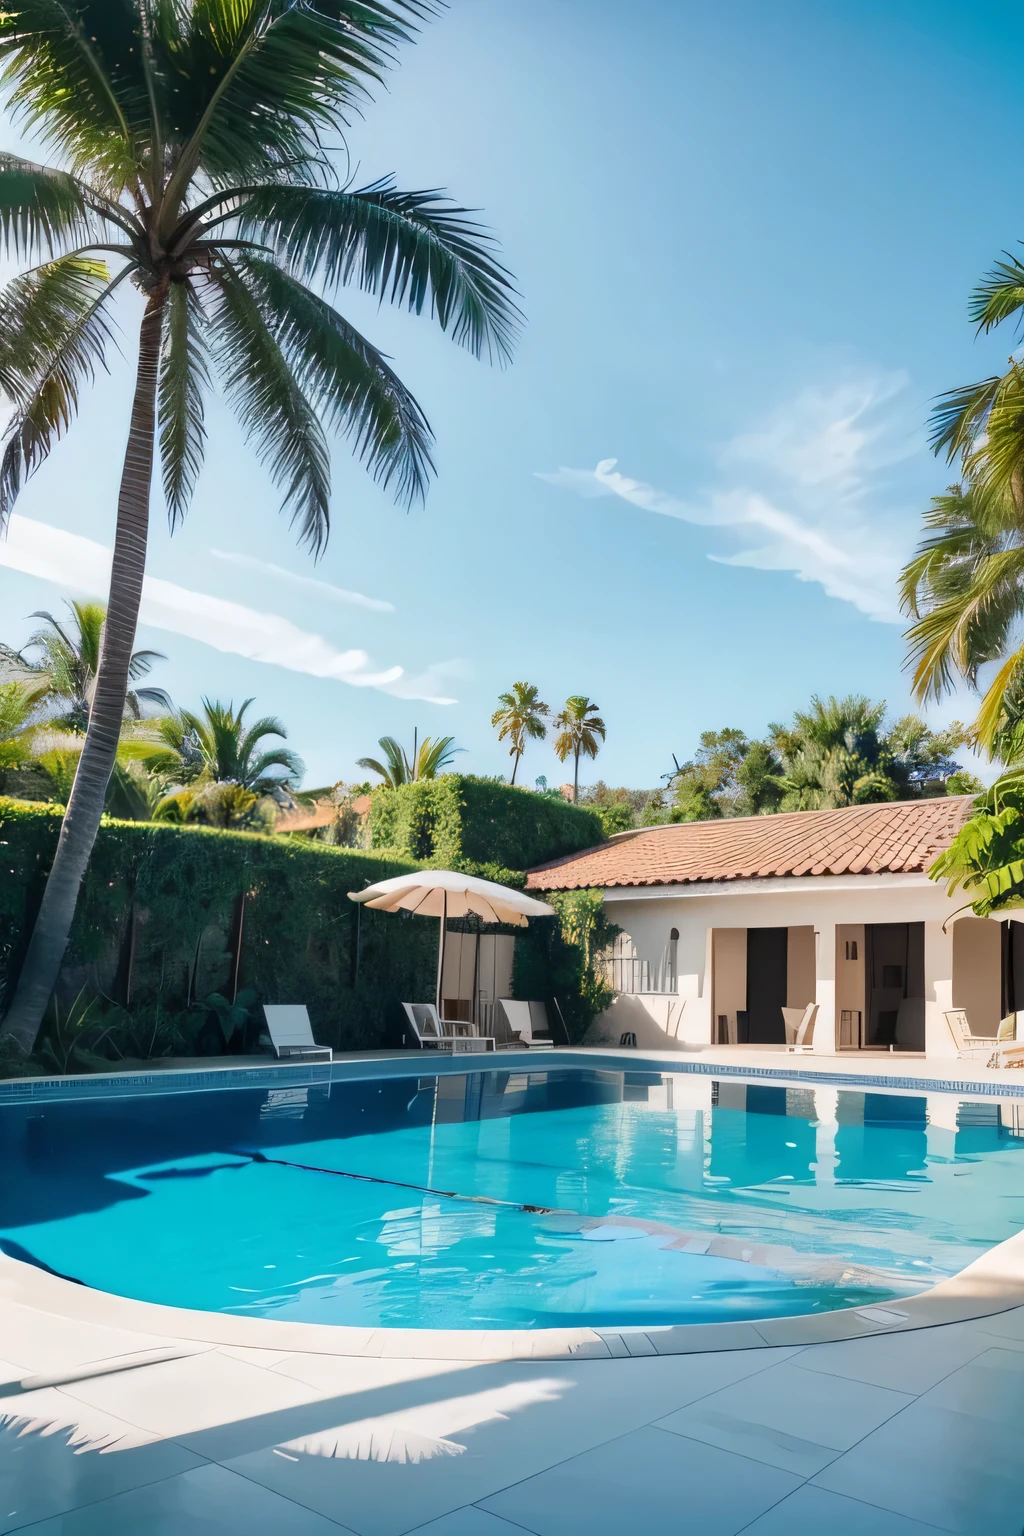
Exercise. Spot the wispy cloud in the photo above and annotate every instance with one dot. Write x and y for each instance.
(81, 564)
(805, 483)
(325, 589)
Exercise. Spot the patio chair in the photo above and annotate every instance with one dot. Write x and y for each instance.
(433, 1033)
(529, 1022)
(967, 1044)
(291, 1033)
(799, 1024)
(1009, 1052)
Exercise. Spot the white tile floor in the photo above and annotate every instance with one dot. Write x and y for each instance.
(902, 1435)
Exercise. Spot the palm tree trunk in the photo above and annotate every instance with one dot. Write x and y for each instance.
(85, 804)
(515, 765)
(576, 777)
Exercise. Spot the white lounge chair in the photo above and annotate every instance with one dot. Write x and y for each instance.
(291, 1033)
(523, 1018)
(433, 1033)
(967, 1045)
(1009, 1051)
(799, 1024)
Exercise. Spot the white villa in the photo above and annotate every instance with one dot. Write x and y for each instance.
(727, 922)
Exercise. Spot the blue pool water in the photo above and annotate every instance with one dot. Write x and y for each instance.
(656, 1199)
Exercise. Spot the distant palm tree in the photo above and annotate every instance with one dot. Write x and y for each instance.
(521, 715)
(69, 653)
(217, 747)
(429, 759)
(580, 730)
(190, 139)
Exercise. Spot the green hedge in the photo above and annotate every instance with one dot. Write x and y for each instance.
(456, 820)
(182, 884)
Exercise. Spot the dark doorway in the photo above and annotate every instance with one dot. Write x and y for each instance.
(766, 985)
(894, 973)
(1013, 967)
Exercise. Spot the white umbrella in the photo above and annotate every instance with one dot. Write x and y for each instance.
(443, 893)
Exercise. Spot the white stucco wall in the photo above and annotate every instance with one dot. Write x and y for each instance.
(821, 903)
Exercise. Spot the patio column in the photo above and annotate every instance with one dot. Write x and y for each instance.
(825, 1039)
(938, 989)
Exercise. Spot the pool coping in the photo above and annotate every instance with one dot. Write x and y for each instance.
(993, 1283)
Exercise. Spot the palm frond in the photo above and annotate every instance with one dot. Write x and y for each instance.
(73, 72)
(261, 83)
(961, 416)
(349, 383)
(416, 249)
(59, 339)
(184, 380)
(999, 295)
(42, 210)
(275, 414)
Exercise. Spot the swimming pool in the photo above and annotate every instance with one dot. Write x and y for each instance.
(503, 1199)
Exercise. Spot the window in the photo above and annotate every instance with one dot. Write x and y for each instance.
(851, 949)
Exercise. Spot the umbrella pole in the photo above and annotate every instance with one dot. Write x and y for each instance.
(440, 948)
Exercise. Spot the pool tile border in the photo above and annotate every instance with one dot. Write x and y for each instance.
(40, 1090)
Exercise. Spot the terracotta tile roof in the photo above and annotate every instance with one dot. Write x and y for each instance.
(901, 837)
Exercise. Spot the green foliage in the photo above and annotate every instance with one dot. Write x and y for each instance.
(231, 1016)
(838, 752)
(428, 760)
(218, 747)
(183, 885)
(457, 821)
(561, 959)
(986, 858)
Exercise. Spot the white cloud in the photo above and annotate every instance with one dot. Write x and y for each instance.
(818, 462)
(325, 589)
(83, 565)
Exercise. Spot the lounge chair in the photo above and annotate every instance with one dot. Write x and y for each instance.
(799, 1023)
(433, 1033)
(291, 1033)
(523, 1021)
(968, 1045)
(1009, 1051)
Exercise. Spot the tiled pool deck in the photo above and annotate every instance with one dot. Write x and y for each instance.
(110, 1426)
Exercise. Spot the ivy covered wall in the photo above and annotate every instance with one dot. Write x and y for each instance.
(166, 914)
(456, 820)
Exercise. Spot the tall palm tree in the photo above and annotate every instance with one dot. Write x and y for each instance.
(69, 653)
(189, 139)
(964, 589)
(520, 715)
(580, 730)
(431, 757)
(217, 747)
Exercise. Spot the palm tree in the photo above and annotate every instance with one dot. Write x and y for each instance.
(521, 715)
(580, 730)
(189, 137)
(835, 754)
(431, 757)
(218, 748)
(964, 589)
(69, 653)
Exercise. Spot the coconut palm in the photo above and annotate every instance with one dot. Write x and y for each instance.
(190, 168)
(580, 731)
(69, 654)
(520, 716)
(217, 747)
(964, 589)
(431, 757)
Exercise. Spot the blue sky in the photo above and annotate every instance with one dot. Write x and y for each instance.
(744, 236)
